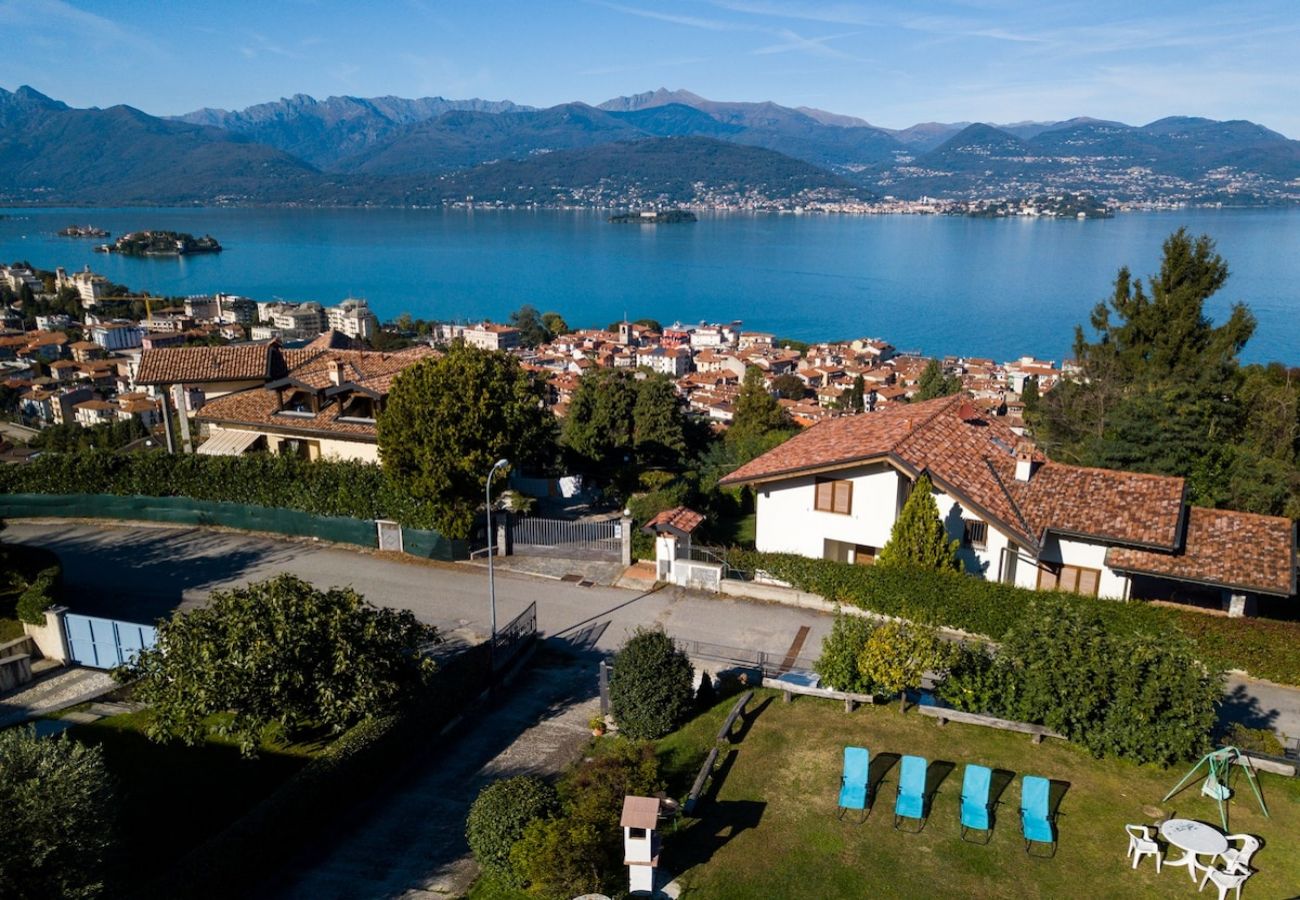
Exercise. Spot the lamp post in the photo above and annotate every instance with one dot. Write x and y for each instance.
(492, 585)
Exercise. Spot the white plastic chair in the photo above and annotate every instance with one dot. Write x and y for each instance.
(1236, 858)
(1140, 844)
(1225, 881)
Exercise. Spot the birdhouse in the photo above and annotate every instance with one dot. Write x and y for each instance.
(641, 842)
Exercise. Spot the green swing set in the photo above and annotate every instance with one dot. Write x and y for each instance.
(1220, 765)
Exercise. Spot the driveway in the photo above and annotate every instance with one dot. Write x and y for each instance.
(141, 572)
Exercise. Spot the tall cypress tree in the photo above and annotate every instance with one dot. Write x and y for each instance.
(918, 537)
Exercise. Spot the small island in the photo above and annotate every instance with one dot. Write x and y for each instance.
(80, 231)
(654, 217)
(161, 243)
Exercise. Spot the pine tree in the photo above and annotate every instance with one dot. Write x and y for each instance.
(918, 537)
(857, 401)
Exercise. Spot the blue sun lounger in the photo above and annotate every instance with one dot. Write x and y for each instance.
(853, 782)
(1035, 817)
(975, 806)
(911, 791)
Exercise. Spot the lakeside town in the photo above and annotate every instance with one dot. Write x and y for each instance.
(81, 365)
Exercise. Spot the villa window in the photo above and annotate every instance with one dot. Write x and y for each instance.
(976, 534)
(834, 496)
(1076, 579)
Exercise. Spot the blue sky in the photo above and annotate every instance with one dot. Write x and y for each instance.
(892, 63)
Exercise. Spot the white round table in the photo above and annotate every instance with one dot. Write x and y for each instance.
(1195, 839)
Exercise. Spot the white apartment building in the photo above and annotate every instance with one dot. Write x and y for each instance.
(87, 284)
(117, 335)
(489, 336)
(353, 318)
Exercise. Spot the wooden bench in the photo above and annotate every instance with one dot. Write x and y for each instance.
(724, 733)
(701, 780)
(1037, 732)
(788, 689)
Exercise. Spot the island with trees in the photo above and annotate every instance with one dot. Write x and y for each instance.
(1058, 206)
(654, 217)
(161, 243)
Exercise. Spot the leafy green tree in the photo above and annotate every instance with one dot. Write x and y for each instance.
(278, 652)
(757, 412)
(554, 324)
(448, 420)
(619, 422)
(789, 386)
(650, 325)
(838, 663)
(896, 655)
(532, 330)
(651, 691)
(500, 814)
(918, 537)
(57, 803)
(934, 383)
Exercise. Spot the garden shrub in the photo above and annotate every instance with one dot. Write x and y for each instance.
(897, 654)
(837, 665)
(581, 850)
(1255, 740)
(38, 596)
(499, 816)
(651, 689)
(1264, 648)
(56, 801)
(1140, 696)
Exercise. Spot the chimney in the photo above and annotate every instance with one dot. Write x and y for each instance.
(337, 375)
(1025, 463)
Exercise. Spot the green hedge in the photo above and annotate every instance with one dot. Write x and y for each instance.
(310, 808)
(323, 488)
(1264, 648)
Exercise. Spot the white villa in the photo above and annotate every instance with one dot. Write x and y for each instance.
(835, 490)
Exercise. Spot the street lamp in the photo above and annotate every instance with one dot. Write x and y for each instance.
(492, 585)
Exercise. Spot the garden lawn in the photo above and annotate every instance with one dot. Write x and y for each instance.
(170, 797)
(772, 830)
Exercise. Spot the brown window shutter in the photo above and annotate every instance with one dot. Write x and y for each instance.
(1089, 580)
(843, 497)
(1047, 579)
(825, 490)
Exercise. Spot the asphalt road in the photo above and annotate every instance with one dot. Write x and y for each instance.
(142, 572)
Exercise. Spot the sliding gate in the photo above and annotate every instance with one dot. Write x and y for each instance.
(105, 643)
(533, 536)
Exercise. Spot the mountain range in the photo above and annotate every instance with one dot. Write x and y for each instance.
(390, 150)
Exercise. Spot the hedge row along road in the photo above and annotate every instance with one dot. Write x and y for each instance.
(142, 572)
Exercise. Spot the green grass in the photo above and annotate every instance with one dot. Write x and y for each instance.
(10, 630)
(170, 797)
(772, 830)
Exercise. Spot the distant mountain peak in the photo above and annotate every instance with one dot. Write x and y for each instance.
(648, 99)
(29, 96)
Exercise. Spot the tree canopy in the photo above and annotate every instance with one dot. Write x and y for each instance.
(1160, 390)
(620, 420)
(57, 804)
(757, 412)
(531, 324)
(918, 537)
(554, 324)
(935, 383)
(449, 420)
(278, 652)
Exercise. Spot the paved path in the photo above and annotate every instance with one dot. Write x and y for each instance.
(52, 693)
(142, 572)
(409, 842)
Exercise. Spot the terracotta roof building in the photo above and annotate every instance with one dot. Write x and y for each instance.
(323, 405)
(834, 491)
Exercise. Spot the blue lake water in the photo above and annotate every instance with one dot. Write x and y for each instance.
(998, 288)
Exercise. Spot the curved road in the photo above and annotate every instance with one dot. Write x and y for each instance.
(142, 571)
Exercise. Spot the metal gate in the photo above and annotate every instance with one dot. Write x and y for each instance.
(532, 536)
(105, 643)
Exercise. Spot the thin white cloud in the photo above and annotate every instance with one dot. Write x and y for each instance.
(72, 24)
(818, 46)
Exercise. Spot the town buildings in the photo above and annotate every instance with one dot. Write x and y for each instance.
(488, 336)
